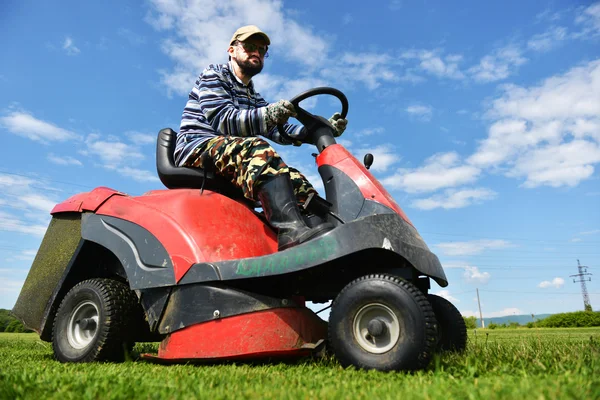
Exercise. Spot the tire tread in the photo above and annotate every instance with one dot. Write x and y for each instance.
(114, 339)
(430, 321)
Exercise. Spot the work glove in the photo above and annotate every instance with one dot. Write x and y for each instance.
(338, 123)
(278, 113)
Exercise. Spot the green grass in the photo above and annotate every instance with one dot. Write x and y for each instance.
(498, 364)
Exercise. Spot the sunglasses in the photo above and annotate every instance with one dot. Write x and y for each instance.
(251, 48)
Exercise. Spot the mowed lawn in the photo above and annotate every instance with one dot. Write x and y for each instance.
(498, 364)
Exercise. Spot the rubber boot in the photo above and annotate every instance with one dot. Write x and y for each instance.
(281, 210)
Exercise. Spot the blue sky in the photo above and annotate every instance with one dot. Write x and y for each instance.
(484, 119)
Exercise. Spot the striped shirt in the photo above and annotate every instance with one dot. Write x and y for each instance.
(220, 104)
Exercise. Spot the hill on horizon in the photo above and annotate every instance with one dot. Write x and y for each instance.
(519, 319)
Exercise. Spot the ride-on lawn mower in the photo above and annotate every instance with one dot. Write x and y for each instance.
(197, 267)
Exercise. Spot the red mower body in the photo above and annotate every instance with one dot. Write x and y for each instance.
(204, 265)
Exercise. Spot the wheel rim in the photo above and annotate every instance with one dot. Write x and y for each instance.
(83, 325)
(376, 328)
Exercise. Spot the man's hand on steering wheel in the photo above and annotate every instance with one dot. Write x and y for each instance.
(338, 123)
(319, 129)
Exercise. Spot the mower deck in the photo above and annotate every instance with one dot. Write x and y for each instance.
(279, 332)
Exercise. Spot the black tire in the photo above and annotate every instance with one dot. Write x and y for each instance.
(394, 303)
(91, 323)
(452, 330)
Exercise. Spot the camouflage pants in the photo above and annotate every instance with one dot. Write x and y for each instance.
(246, 162)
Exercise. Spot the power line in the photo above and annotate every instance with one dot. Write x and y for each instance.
(538, 293)
(540, 241)
(509, 267)
(45, 179)
(525, 258)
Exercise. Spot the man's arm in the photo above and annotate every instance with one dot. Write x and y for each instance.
(215, 99)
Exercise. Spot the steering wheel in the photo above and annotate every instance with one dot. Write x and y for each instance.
(320, 131)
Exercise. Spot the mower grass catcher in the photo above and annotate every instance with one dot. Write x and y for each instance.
(196, 267)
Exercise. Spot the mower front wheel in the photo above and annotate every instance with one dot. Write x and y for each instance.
(382, 322)
(91, 323)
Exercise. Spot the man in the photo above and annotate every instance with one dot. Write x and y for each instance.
(222, 119)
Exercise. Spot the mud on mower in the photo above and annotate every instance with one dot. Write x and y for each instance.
(197, 268)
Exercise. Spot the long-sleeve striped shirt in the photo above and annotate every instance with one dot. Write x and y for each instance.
(220, 104)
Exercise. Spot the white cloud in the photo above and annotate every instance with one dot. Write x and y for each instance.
(344, 142)
(589, 19)
(569, 96)
(565, 164)
(69, 47)
(384, 156)
(139, 174)
(432, 62)
(472, 247)
(423, 112)
(38, 202)
(441, 170)
(547, 40)
(473, 275)
(30, 198)
(498, 65)
(275, 87)
(112, 152)
(371, 131)
(592, 232)
(24, 124)
(446, 295)
(65, 160)
(25, 255)
(12, 223)
(17, 182)
(202, 31)
(556, 283)
(548, 16)
(9, 291)
(139, 138)
(549, 133)
(452, 198)
(118, 156)
(370, 69)
(10, 286)
(199, 34)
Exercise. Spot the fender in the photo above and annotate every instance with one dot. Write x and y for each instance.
(143, 257)
(193, 227)
(88, 201)
(383, 232)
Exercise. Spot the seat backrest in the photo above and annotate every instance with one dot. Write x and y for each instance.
(174, 177)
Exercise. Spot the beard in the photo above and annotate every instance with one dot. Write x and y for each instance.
(248, 68)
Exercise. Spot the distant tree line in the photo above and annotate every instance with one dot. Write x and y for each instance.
(578, 319)
(10, 323)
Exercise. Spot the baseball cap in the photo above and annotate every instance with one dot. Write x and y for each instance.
(246, 31)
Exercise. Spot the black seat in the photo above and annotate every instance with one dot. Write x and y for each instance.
(174, 177)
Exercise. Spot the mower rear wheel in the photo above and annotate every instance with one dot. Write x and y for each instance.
(452, 330)
(92, 321)
(382, 322)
